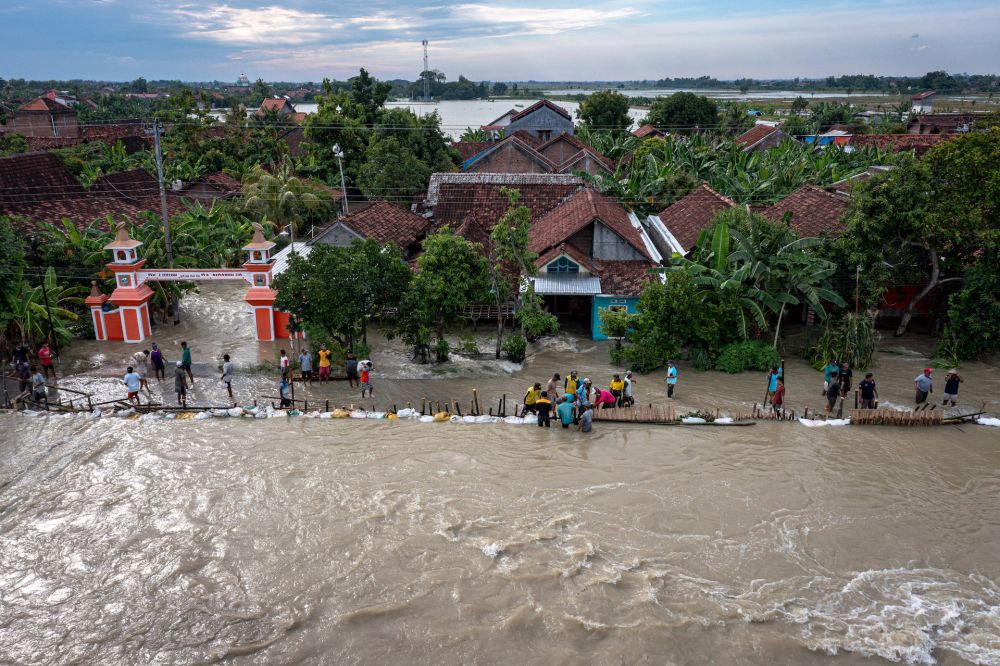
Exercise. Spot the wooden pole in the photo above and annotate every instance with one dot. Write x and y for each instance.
(475, 400)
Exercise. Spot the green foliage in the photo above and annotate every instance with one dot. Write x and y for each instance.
(12, 143)
(850, 338)
(27, 307)
(735, 119)
(339, 289)
(747, 355)
(972, 329)
(800, 104)
(605, 110)
(391, 171)
(281, 198)
(682, 112)
(468, 344)
(514, 347)
(534, 319)
(474, 135)
(441, 350)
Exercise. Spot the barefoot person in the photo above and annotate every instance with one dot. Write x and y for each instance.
(140, 363)
(45, 358)
(366, 378)
(283, 363)
(324, 363)
(133, 382)
(351, 369)
(923, 384)
(552, 388)
(180, 384)
(869, 392)
(227, 374)
(671, 378)
(306, 365)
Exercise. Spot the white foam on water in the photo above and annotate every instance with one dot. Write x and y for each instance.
(989, 421)
(819, 423)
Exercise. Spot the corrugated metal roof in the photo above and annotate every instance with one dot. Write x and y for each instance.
(566, 285)
(281, 258)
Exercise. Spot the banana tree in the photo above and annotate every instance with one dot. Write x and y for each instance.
(34, 305)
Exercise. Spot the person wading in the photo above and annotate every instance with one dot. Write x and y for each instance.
(45, 358)
(544, 407)
(572, 383)
(868, 392)
(351, 370)
(566, 410)
(552, 388)
(140, 363)
(180, 384)
(778, 395)
(227, 374)
(186, 360)
(306, 365)
(617, 387)
(586, 419)
(832, 392)
(671, 378)
(628, 400)
(531, 397)
(133, 382)
(159, 363)
(324, 363)
(367, 381)
(923, 384)
(951, 382)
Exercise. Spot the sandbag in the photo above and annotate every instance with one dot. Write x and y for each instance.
(407, 413)
(203, 415)
(341, 413)
(235, 411)
(441, 417)
(427, 419)
(359, 414)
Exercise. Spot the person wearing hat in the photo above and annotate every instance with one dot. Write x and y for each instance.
(627, 399)
(180, 384)
(585, 392)
(924, 385)
(951, 382)
(671, 378)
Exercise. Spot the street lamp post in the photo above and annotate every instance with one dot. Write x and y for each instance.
(339, 154)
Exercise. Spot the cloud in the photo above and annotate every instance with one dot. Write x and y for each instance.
(915, 35)
(384, 21)
(266, 25)
(539, 20)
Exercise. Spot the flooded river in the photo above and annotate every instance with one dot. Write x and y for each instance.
(286, 541)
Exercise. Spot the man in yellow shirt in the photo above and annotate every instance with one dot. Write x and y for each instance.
(618, 389)
(531, 398)
(324, 363)
(572, 383)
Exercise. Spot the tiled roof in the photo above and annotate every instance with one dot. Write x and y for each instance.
(755, 135)
(298, 117)
(847, 185)
(39, 188)
(274, 104)
(576, 213)
(467, 149)
(527, 137)
(539, 104)
(687, 217)
(569, 251)
(915, 143)
(945, 123)
(46, 105)
(923, 95)
(387, 222)
(223, 181)
(569, 165)
(564, 137)
(647, 130)
(815, 212)
(512, 142)
(625, 278)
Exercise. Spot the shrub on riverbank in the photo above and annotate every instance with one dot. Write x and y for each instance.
(747, 355)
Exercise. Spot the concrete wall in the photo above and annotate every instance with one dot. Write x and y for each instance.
(609, 245)
(604, 302)
(338, 235)
(506, 159)
(542, 118)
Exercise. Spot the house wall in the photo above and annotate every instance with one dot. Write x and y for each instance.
(543, 118)
(560, 151)
(40, 124)
(583, 240)
(587, 164)
(609, 245)
(506, 160)
(605, 302)
(338, 235)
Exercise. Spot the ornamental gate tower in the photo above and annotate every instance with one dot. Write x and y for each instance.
(124, 315)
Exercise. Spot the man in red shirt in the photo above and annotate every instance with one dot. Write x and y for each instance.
(778, 398)
(45, 358)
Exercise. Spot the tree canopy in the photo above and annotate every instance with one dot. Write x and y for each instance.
(682, 113)
(605, 110)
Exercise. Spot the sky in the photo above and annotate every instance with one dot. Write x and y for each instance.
(501, 40)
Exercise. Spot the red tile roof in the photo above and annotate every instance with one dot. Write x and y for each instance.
(564, 137)
(625, 278)
(539, 104)
(573, 161)
(513, 142)
(923, 95)
(45, 105)
(755, 135)
(647, 130)
(814, 212)
(943, 123)
(580, 210)
(223, 181)
(386, 222)
(687, 217)
(272, 104)
(918, 144)
(571, 252)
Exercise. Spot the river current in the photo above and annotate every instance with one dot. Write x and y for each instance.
(314, 541)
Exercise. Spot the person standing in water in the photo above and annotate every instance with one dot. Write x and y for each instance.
(544, 407)
(552, 388)
(351, 369)
(832, 392)
(628, 400)
(45, 358)
(617, 387)
(140, 363)
(180, 384)
(284, 393)
(772, 385)
(586, 419)
(186, 360)
(306, 365)
(572, 383)
(829, 370)
(951, 382)
(367, 383)
(531, 397)
(227, 374)
(778, 395)
(923, 384)
(671, 378)
(324, 363)
(283, 363)
(846, 375)
(159, 363)
(38, 392)
(566, 410)
(133, 382)
(869, 392)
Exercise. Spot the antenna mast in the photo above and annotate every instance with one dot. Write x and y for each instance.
(427, 90)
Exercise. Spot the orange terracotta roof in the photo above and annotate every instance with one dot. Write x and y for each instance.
(577, 212)
(814, 212)
(918, 144)
(755, 135)
(687, 217)
(646, 131)
(46, 105)
(386, 222)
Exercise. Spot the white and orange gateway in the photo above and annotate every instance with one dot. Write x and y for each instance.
(129, 319)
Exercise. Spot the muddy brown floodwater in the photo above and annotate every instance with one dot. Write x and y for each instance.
(287, 541)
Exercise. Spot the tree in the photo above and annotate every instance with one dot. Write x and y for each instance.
(370, 94)
(259, 91)
(281, 198)
(509, 256)
(683, 113)
(799, 104)
(391, 170)
(735, 119)
(12, 143)
(474, 135)
(605, 110)
(452, 273)
(337, 290)
(499, 88)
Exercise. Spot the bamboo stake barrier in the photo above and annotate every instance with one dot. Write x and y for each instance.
(917, 417)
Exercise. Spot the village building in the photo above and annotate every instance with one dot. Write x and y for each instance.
(279, 106)
(762, 137)
(811, 212)
(941, 123)
(677, 227)
(45, 117)
(915, 144)
(382, 221)
(523, 153)
(647, 131)
(544, 120)
(923, 102)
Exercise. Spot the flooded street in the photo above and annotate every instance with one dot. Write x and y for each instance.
(286, 541)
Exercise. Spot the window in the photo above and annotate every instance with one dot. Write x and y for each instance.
(259, 280)
(563, 265)
(544, 135)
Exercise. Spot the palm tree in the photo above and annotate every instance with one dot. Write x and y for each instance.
(29, 317)
(279, 198)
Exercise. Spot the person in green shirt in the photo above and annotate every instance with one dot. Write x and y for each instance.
(186, 359)
(566, 410)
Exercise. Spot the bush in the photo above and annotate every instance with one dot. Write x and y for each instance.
(973, 326)
(362, 350)
(651, 351)
(849, 339)
(514, 346)
(468, 344)
(747, 355)
(441, 350)
(701, 360)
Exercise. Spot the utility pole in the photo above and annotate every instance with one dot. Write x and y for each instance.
(157, 130)
(857, 290)
(339, 154)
